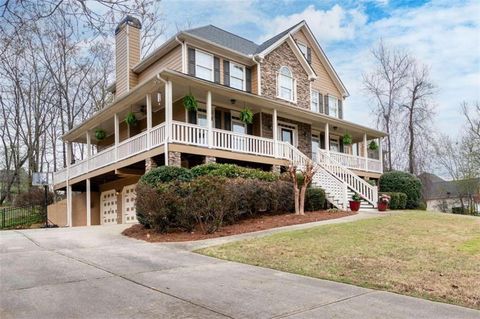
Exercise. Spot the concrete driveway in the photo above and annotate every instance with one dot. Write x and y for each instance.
(97, 273)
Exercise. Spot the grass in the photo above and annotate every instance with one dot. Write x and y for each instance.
(20, 217)
(429, 255)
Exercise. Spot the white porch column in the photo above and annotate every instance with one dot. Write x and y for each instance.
(365, 150)
(380, 153)
(149, 119)
(168, 117)
(117, 134)
(69, 154)
(69, 205)
(327, 137)
(89, 148)
(209, 119)
(275, 133)
(89, 203)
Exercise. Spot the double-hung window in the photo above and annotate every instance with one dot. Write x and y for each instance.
(332, 106)
(203, 65)
(286, 84)
(237, 76)
(314, 102)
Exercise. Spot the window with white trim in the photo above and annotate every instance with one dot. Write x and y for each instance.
(286, 84)
(332, 106)
(203, 65)
(314, 102)
(237, 76)
(303, 48)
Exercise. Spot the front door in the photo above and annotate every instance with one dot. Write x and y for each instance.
(108, 207)
(129, 212)
(286, 134)
(238, 127)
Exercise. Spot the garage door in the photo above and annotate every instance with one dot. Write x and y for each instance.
(129, 213)
(108, 204)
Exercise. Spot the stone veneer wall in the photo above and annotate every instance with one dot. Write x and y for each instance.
(304, 132)
(175, 159)
(284, 56)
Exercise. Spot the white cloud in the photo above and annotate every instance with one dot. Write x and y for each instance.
(328, 25)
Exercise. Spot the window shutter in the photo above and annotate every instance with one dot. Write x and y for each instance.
(216, 68)
(341, 144)
(250, 129)
(248, 79)
(218, 119)
(322, 141)
(191, 61)
(320, 103)
(326, 104)
(309, 55)
(340, 109)
(226, 73)
(192, 117)
(227, 121)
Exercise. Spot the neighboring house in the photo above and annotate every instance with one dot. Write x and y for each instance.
(445, 196)
(297, 99)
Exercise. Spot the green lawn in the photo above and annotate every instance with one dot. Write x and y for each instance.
(429, 255)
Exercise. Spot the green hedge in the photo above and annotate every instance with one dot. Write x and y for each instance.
(314, 199)
(233, 171)
(165, 174)
(397, 200)
(402, 182)
(209, 202)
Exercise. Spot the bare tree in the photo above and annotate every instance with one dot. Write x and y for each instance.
(384, 85)
(300, 191)
(418, 112)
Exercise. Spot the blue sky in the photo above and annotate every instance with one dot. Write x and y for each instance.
(442, 34)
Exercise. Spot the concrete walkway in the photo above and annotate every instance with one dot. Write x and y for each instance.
(97, 273)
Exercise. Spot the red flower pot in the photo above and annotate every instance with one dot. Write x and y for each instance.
(382, 206)
(354, 206)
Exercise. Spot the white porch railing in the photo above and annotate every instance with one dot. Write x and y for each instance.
(125, 149)
(369, 192)
(231, 141)
(186, 133)
(357, 162)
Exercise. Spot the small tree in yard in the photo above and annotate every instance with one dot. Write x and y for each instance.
(300, 191)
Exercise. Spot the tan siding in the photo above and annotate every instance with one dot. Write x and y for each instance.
(254, 80)
(172, 60)
(134, 54)
(120, 63)
(178, 111)
(324, 83)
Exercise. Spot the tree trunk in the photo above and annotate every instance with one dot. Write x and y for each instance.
(303, 192)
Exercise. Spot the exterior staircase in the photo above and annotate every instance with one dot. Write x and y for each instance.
(338, 182)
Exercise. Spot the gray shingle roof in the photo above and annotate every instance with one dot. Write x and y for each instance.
(234, 42)
(436, 188)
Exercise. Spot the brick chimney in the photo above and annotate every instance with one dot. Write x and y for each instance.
(127, 53)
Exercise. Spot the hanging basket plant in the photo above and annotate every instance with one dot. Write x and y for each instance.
(373, 146)
(100, 134)
(347, 139)
(131, 119)
(190, 103)
(246, 116)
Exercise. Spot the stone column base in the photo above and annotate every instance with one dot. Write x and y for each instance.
(149, 164)
(210, 159)
(175, 159)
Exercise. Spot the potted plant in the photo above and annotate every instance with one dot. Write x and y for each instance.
(131, 119)
(355, 202)
(190, 103)
(347, 139)
(100, 134)
(246, 116)
(383, 202)
(373, 146)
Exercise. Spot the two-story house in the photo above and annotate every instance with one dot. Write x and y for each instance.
(296, 97)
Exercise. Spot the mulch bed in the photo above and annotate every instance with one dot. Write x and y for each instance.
(243, 226)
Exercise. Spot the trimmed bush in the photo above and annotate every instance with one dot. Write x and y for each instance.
(232, 171)
(314, 199)
(404, 183)
(165, 174)
(35, 196)
(397, 200)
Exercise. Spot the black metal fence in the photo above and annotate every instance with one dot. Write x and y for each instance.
(20, 217)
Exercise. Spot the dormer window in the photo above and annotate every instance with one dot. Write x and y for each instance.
(286, 84)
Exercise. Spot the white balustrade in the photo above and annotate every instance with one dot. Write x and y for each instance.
(132, 146)
(157, 135)
(227, 140)
(186, 133)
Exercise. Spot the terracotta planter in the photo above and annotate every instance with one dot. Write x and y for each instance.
(382, 206)
(354, 206)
